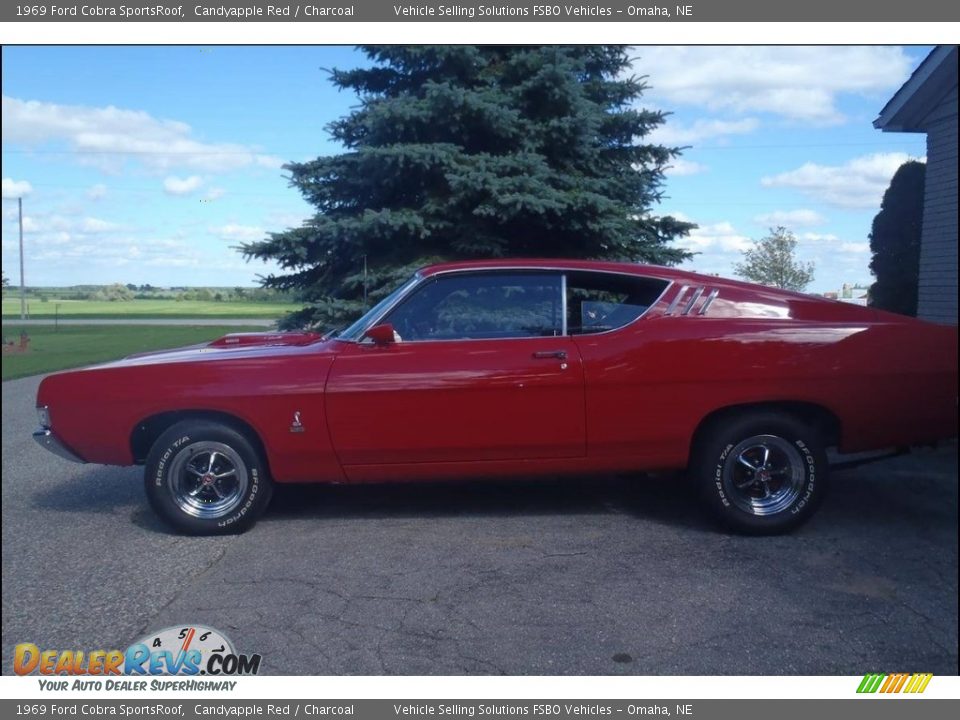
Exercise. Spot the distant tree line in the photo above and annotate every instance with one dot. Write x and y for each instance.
(119, 292)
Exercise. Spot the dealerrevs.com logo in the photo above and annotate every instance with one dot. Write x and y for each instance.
(887, 683)
(184, 650)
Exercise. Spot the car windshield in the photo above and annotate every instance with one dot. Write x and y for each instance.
(354, 331)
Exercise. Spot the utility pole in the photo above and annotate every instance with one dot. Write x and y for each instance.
(23, 299)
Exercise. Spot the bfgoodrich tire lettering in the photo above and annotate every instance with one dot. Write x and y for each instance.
(760, 473)
(206, 478)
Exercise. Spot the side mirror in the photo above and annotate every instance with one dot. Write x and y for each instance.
(381, 334)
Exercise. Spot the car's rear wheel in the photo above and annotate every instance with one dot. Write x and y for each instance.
(760, 473)
(206, 478)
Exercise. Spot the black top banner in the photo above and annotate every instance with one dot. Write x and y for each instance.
(482, 11)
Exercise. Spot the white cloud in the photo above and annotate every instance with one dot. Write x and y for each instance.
(232, 231)
(855, 247)
(61, 246)
(13, 189)
(737, 243)
(292, 220)
(97, 192)
(717, 246)
(829, 241)
(676, 134)
(790, 218)
(215, 193)
(818, 237)
(182, 186)
(64, 227)
(173, 261)
(105, 136)
(65, 250)
(858, 183)
(271, 162)
(92, 250)
(799, 83)
(680, 167)
(721, 236)
(96, 225)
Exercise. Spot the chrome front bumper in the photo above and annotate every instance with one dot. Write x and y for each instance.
(49, 441)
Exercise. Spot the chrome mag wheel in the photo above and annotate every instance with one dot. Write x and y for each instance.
(764, 474)
(208, 479)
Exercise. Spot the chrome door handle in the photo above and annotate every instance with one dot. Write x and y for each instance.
(550, 355)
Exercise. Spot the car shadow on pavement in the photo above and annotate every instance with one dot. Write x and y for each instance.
(666, 499)
(92, 489)
(916, 492)
(102, 491)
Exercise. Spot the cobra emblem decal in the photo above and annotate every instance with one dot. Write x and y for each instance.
(296, 426)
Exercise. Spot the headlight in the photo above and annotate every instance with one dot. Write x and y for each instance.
(43, 414)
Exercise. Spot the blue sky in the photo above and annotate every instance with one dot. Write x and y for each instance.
(147, 165)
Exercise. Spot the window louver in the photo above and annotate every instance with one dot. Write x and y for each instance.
(686, 301)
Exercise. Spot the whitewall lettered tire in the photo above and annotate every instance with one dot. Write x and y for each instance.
(760, 473)
(206, 478)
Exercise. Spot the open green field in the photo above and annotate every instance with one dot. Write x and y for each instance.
(78, 345)
(86, 309)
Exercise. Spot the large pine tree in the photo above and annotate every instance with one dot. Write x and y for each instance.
(475, 152)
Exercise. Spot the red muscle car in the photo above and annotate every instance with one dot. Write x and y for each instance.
(511, 368)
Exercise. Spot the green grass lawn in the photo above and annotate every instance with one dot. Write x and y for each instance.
(85, 309)
(78, 345)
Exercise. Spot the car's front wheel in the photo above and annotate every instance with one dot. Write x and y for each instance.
(760, 473)
(206, 478)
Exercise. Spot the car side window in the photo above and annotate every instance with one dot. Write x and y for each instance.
(482, 306)
(598, 302)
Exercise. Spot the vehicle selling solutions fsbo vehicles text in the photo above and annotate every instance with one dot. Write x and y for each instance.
(543, 11)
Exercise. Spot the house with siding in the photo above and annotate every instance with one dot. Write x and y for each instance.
(927, 103)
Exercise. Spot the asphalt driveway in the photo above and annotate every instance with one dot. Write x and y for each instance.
(592, 576)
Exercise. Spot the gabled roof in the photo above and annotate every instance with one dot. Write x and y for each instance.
(920, 94)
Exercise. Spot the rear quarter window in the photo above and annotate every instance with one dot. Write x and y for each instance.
(599, 302)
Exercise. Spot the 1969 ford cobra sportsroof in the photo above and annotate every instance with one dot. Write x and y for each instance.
(510, 368)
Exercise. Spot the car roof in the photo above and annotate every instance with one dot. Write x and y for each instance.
(661, 272)
(751, 293)
(657, 271)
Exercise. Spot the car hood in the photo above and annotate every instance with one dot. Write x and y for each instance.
(234, 345)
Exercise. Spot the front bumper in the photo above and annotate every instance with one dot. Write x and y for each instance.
(51, 442)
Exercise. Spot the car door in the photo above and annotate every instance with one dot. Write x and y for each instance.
(482, 370)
